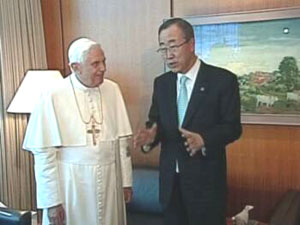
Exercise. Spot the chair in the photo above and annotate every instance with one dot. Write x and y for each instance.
(14, 217)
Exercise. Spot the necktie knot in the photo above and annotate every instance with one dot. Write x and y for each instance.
(183, 80)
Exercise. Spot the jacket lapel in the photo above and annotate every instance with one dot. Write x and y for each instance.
(172, 98)
(199, 92)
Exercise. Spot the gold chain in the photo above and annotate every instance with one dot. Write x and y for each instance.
(91, 116)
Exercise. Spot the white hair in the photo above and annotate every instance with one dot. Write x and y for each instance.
(79, 48)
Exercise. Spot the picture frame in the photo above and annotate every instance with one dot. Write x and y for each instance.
(263, 49)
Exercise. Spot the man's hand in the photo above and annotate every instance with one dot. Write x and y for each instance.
(127, 194)
(56, 215)
(144, 136)
(194, 141)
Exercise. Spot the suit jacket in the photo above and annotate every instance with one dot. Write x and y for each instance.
(213, 112)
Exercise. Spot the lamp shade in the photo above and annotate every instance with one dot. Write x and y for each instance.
(31, 88)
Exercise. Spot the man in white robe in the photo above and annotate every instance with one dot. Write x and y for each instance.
(80, 136)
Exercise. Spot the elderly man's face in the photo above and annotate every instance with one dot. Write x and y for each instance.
(179, 53)
(91, 71)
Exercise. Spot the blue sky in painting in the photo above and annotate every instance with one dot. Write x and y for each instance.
(250, 46)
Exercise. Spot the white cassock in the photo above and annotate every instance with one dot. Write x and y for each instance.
(80, 140)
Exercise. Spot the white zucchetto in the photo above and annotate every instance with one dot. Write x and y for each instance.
(77, 48)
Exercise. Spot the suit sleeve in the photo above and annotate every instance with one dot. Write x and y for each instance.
(229, 126)
(154, 115)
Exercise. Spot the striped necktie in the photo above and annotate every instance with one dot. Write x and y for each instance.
(182, 101)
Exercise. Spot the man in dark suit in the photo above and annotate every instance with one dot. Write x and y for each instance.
(195, 113)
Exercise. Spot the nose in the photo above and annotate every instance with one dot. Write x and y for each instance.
(102, 67)
(169, 54)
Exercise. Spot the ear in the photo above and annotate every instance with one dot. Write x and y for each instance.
(192, 44)
(75, 67)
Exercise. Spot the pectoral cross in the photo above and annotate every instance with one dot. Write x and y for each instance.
(93, 131)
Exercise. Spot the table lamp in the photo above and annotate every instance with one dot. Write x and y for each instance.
(29, 92)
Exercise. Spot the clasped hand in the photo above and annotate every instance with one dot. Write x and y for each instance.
(128, 193)
(56, 215)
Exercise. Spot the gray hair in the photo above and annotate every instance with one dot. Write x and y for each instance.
(185, 26)
(79, 49)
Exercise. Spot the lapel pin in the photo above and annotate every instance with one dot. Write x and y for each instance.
(202, 89)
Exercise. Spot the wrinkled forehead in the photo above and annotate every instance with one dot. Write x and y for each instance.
(95, 53)
(79, 47)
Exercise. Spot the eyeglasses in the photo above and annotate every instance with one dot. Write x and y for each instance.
(171, 49)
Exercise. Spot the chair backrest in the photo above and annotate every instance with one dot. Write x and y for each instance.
(14, 217)
(145, 191)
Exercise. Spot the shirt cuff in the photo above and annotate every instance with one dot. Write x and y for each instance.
(146, 148)
(203, 151)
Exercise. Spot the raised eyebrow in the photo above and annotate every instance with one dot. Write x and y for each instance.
(168, 42)
(95, 62)
(99, 61)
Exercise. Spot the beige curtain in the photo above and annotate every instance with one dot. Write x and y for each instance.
(22, 48)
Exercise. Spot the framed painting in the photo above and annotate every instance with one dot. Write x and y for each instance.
(263, 49)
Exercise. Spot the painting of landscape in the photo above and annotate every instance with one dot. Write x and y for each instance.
(265, 55)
